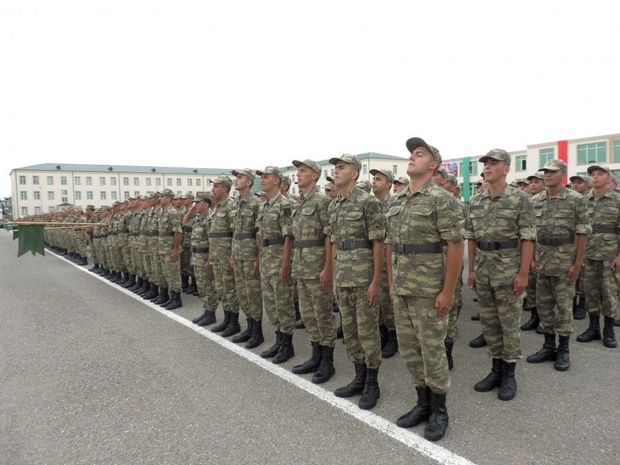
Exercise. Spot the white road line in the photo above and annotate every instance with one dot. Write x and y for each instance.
(428, 449)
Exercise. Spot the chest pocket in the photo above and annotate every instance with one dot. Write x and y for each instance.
(308, 211)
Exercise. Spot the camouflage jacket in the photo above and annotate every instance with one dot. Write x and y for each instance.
(220, 234)
(274, 224)
(605, 220)
(244, 215)
(169, 222)
(310, 220)
(200, 237)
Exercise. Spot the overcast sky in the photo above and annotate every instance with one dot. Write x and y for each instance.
(250, 83)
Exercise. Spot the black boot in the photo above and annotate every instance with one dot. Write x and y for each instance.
(371, 392)
(478, 342)
(617, 322)
(562, 361)
(438, 421)
(83, 261)
(257, 335)
(208, 318)
(609, 337)
(299, 323)
(130, 282)
(200, 317)
(286, 350)
(224, 324)
(192, 289)
(548, 352)
(326, 368)
(233, 325)
(391, 346)
(136, 285)
(579, 307)
(175, 301)
(273, 350)
(146, 286)
(508, 387)
(184, 282)
(95, 268)
(162, 297)
(310, 365)
(339, 332)
(532, 323)
(357, 385)
(593, 333)
(383, 333)
(493, 379)
(151, 293)
(420, 412)
(110, 275)
(244, 336)
(449, 346)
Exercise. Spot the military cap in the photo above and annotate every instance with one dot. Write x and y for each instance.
(189, 195)
(115, 204)
(514, 183)
(443, 172)
(416, 142)
(402, 180)
(104, 207)
(246, 172)
(453, 179)
(314, 166)
(537, 175)
(496, 154)
(522, 181)
(583, 177)
(223, 180)
(348, 159)
(601, 166)
(387, 173)
(554, 165)
(364, 185)
(260, 194)
(286, 180)
(167, 193)
(200, 196)
(271, 170)
(90, 207)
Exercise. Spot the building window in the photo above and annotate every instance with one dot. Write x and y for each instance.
(63, 192)
(50, 195)
(77, 180)
(473, 167)
(395, 170)
(521, 162)
(52, 209)
(89, 181)
(22, 180)
(592, 153)
(50, 180)
(37, 195)
(64, 199)
(189, 181)
(24, 211)
(148, 182)
(23, 195)
(112, 181)
(113, 195)
(364, 168)
(617, 151)
(102, 180)
(545, 155)
(37, 210)
(198, 181)
(158, 181)
(63, 180)
(102, 195)
(179, 193)
(89, 195)
(136, 181)
(126, 195)
(78, 195)
(169, 182)
(35, 180)
(179, 182)
(125, 181)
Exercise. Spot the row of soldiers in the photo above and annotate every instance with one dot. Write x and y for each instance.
(387, 260)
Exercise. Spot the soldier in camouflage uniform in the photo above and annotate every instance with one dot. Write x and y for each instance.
(562, 227)
(220, 247)
(187, 271)
(149, 233)
(602, 258)
(169, 248)
(582, 185)
(244, 258)
(421, 219)
(501, 233)
(357, 223)
(381, 185)
(275, 229)
(312, 269)
(400, 184)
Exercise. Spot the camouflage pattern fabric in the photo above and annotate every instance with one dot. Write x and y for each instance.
(169, 224)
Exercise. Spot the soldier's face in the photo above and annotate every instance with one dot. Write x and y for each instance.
(345, 174)
(218, 191)
(438, 180)
(202, 207)
(553, 178)
(305, 177)
(380, 184)
(284, 187)
(269, 183)
(165, 200)
(600, 179)
(580, 186)
(494, 170)
(536, 186)
(242, 182)
(398, 187)
(421, 162)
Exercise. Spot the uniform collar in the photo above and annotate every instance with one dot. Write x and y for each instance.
(273, 200)
(354, 194)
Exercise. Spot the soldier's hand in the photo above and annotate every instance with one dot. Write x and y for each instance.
(573, 274)
(284, 274)
(208, 267)
(373, 294)
(519, 284)
(175, 255)
(471, 280)
(533, 267)
(230, 264)
(615, 265)
(443, 303)
(257, 268)
(326, 280)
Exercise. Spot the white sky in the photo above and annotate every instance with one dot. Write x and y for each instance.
(250, 83)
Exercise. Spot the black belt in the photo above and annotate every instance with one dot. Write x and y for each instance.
(241, 236)
(166, 233)
(309, 243)
(220, 234)
(403, 249)
(273, 241)
(353, 244)
(604, 228)
(200, 249)
(497, 245)
(555, 241)
(187, 228)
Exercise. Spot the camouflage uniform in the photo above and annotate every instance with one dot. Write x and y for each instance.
(205, 281)
(169, 223)
(453, 314)
(418, 224)
(220, 244)
(157, 273)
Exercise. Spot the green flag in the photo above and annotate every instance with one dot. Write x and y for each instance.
(31, 239)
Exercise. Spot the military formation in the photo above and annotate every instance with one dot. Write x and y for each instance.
(386, 256)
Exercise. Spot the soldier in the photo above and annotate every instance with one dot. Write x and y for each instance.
(137, 250)
(561, 230)
(274, 225)
(244, 258)
(149, 233)
(365, 186)
(602, 258)
(381, 184)
(187, 270)
(357, 224)
(170, 237)
(312, 268)
(400, 184)
(421, 219)
(500, 231)
(220, 244)
(582, 185)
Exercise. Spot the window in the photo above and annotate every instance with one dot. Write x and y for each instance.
(102, 180)
(395, 170)
(136, 181)
(158, 181)
(22, 180)
(23, 195)
(112, 181)
(198, 181)
(364, 168)
(147, 182)
(617, 151)
(63, 180)
(521, 162)
(102, 195)
(545, 155)
(113, 195)
(189, 181)
(126, 195)
(592, 153)
(169, 182)
(50, 180)
(50, 195)
(473, 167)
(24, 211)
(89, 195)
(136, 193)
(89, 181)
(77, 180)
(37, 210)
(125, 181)
(37, 195)
(64, 199)
(78, 195)
(35, 180)
(179, 182)
(52, 209)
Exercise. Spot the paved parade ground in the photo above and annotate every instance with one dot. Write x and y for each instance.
(92, 374)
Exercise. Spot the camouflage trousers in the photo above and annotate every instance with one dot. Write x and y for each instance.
(205, 282)
(157, 272)
(171, 272)
(225, 285)
(315, 306)
(359, 326)
(186, 258)
(455, 311)
(554, 301)
(125, 252)
(530, 292)
(580, 287)
(386, 308)
(421, 341)
(601, 288)
(248, 287)
(278, 302)
(500, 315)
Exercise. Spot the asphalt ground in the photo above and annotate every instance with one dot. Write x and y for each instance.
(90, 374)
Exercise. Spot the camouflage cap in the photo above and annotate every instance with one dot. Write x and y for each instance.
(314, 166)
(167, 193)
(496, 154)
(537, 175)
(554, 165)
(522, 181)
(90, 207)
(402, 180)
(271, 170)
(104, 207)
(200, 196)
(286, 180)
(583, 177)
(387, 173)
(364, 185)
(223, 180)
(245, 172)
(514, 184)
(348, 159)
(415, 142)
(453, 179)
(189, 196)
(602, 167)
(443, 172)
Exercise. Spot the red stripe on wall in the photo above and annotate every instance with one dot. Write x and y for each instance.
(563, 154)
